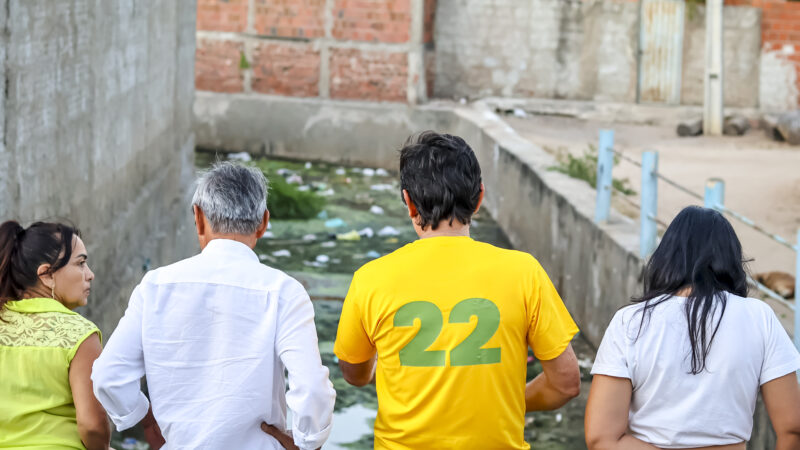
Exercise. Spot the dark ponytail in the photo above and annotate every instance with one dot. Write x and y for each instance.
(22, 251)
(699, 251)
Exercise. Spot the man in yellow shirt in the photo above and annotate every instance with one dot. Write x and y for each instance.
(444, 323)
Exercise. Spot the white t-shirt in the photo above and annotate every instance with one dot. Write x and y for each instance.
(670, 407)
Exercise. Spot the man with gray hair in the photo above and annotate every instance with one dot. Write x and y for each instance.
(213, 334)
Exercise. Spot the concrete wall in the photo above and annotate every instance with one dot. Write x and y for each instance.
(97, 129)
(742, 52)
(371, 50)
(541, 48)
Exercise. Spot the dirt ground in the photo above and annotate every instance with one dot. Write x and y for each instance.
(762, 177)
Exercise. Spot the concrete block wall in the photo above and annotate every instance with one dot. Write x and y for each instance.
(97, 130)
(373, 50)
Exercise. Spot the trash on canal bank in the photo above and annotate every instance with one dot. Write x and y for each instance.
(334, 223)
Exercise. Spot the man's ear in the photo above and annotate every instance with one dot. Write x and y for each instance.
(264, 224)
(43, 272)
(199, 220)
(412, 208)
(480, 199)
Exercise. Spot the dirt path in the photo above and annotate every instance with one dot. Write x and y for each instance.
(762, 177)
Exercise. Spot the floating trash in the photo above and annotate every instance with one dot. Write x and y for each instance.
(282, 253)
(349, 236)
(304, 188)
(559, 417)
(373, 254)
(366, 232)
(334, 223)
(313, 264)
(294, 179)
(263, 257)
(392, 240)
(310, 237)
(241, 156)
(328, 244)
(382, 187)
(326, 193)
(267, 235)
(322, 215)
(368, 172)
(319, 185)
(519, 112)
(388, 231)
(340, 171)
(381, 172)
(375, 209)
(323, 258)
(308, 165)
(283, 172)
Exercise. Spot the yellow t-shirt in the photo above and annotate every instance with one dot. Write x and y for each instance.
(38, 340)
(451, 320)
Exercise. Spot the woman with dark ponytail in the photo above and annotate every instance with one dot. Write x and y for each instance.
(683, 365)
(46, 349)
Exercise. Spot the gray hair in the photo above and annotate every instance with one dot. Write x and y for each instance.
(233, 197)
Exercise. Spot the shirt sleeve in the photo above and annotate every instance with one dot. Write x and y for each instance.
(612, 354)
(551, 327)
(117, 373)
(780, 355)
(353, 344)
(310, 396)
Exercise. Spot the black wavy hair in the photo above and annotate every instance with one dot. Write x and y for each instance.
(699, 251)
(442, 177)
(23, 250)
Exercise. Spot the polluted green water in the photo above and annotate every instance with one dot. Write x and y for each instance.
(358, 216)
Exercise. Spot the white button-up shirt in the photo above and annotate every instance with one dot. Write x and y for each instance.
(213, 334)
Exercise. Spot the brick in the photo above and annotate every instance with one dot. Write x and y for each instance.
(368, 75)
(386, 21)
(222, 15)
(430, 16)
(217, 66)
(288, 69)
(290, 18)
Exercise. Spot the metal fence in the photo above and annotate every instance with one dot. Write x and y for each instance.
(713, 197)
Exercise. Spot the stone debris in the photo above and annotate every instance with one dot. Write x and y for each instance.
(789, 127)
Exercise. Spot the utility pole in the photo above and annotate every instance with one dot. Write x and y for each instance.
(713, 104)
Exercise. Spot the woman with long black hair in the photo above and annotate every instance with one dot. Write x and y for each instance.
(682, 366)
(46, 349)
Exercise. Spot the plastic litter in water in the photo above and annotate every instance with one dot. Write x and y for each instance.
(313, 264)
(241, 156)
(304, 188)
(381, 172)
(351, 235)
(340, 171)
(282, 253)
(310, 237)
(559, 417)
(381, 187)
(375, 209)
(323, 258)
(368, 172)
(373, 254)
(328, 244)
(388, 231)
(308, 165)
(334, 223)
(392, 240)
(322, 215)
(283, 171)
(326, 192)
(294, 179)
(366, 232)
(267, 235)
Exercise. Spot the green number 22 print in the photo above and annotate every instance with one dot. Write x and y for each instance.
(468, 352)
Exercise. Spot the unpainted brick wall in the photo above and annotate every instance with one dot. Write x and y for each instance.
(341, 49)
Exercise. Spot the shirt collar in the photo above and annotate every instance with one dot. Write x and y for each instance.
(38, 305)
(228, 247)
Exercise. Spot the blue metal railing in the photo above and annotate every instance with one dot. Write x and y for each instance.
(714, 197)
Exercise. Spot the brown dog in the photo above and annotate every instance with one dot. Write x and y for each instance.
(780, 282)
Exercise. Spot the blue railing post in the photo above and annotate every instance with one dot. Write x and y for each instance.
(797, 294)
(648, 235)
(605, 164)
(714, 194)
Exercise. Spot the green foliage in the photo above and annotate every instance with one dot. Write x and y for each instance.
(584, 168)
(243, 63)
(285, 201)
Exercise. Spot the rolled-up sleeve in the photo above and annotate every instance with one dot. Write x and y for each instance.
(311, 396)
(117, 373)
